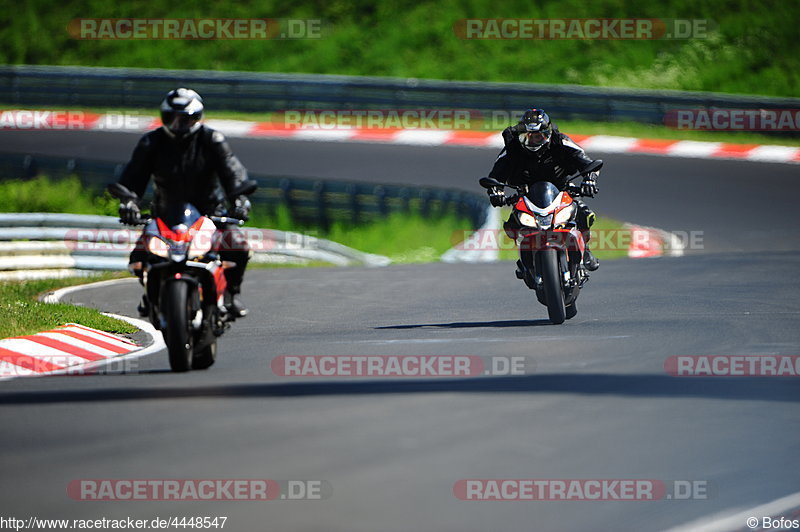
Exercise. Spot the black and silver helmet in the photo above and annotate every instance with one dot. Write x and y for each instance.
(181, 112)
(537, 130)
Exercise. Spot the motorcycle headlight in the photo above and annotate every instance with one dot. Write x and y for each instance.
(157, 247)
(201, 244)
(545, 221)
(564, 215)
(527, 220)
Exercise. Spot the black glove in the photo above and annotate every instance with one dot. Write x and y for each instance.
(589, 185)
(496, 196)
(241, 208)
(129, 213)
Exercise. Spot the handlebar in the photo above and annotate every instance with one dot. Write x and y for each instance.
(139, 221)
(219, 220)
(226, 220)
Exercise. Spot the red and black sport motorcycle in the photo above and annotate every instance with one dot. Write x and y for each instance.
(551, 248)
(184, 278)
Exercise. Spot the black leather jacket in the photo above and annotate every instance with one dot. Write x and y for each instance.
(560, 159)
(201, 169)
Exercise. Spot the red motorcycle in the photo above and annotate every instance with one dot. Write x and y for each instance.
(184, 279)
(551, 248)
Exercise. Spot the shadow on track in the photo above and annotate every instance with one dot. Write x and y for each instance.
(733, 388)
(471, 324)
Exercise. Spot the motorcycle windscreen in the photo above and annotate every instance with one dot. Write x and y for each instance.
(175, 214)
(543, 193)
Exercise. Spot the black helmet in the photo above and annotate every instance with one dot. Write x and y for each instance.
(181, 112)
(536, 129)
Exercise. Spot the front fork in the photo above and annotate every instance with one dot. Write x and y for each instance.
(570, 260)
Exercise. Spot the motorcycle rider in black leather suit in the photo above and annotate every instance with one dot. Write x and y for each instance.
(536, 151)
(190, 162)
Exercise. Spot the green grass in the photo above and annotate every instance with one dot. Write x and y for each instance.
(752, 49)
(404, 238)
(24, 314)
(47, 195)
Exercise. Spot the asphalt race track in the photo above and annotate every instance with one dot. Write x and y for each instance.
(595, 401)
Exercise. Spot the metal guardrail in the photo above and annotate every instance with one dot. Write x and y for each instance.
(39, 242)
(54, 86)
(317, 203)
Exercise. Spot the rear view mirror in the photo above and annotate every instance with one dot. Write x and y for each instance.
(488, 182)
(593, 167)
(121, 192)
(245, 188)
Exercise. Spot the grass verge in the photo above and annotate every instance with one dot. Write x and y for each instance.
(25, 314)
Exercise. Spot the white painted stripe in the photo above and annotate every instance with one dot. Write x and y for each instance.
(8, 370)
(322, 134)
(609, 144)
(157, 346)
(777, 154)
(232, 128)
(94, 334)
(106, 335)
(421, 137)
(41, 352)
(67, 339)
(728, 521)
(495, 141)
(691, 148)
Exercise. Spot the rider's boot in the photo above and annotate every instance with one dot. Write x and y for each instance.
(234, 304)
(590, 262)
(144, 307)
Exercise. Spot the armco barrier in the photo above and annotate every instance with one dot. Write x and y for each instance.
(313, 202)
(46, 244)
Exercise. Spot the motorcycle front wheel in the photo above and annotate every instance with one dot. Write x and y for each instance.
(177, 334)
(551, 279)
